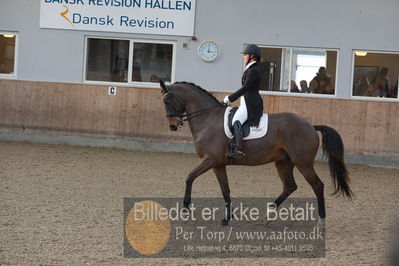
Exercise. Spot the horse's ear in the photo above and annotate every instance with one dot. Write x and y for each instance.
(164, 89)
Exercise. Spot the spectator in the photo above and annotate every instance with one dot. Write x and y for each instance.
(370, 91)
(361, 87)
(321, 83)
(304, 86)
(382, 84)
(294, 87)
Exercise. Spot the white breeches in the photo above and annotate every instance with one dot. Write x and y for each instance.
(241, 114)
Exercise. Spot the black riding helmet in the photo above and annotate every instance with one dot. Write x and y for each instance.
(251, 49)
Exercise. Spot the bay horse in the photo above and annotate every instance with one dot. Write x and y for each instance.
(290, 142)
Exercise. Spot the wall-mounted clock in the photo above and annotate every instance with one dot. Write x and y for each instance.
(208, 51)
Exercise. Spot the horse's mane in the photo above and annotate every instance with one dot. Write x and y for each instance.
(200, 89)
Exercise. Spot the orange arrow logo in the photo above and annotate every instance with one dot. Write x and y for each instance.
(62, 14)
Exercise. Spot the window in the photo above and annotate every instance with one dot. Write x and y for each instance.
(298, 70)
(375, 74)
(152, 62)
(107, 60)
(129, 61)
(7, 54)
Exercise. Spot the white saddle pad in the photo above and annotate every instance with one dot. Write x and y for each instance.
(255, 132)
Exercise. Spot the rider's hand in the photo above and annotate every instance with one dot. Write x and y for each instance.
(226, 100)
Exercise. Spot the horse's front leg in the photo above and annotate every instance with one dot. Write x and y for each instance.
(205, 164)
(221, 175)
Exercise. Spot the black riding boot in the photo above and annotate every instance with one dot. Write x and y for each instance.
(237, 149)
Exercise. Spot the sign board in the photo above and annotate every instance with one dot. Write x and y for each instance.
(165, 17)
(112, 90)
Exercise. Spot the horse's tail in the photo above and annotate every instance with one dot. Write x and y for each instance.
(333, 147)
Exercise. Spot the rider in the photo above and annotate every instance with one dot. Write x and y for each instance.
(251, 103)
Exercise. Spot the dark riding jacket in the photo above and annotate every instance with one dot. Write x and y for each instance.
(250, 89)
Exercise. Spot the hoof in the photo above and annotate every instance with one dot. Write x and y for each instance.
(224, 222)
(321, 223)
(185, 212)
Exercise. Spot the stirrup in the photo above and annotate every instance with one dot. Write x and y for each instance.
(235, 154)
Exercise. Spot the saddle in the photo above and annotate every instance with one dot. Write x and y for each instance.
(248, 132)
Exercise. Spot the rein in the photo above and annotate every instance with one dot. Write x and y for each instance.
(184, 116)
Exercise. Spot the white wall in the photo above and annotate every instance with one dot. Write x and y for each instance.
(57, 55)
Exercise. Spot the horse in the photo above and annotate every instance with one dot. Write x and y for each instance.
(290, 142)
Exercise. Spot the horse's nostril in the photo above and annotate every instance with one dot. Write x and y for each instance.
(173, 128)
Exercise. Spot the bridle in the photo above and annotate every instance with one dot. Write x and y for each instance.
(182, 116)
(175, 113)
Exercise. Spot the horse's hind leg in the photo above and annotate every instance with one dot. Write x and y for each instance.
(285, 171)
(310, 175)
